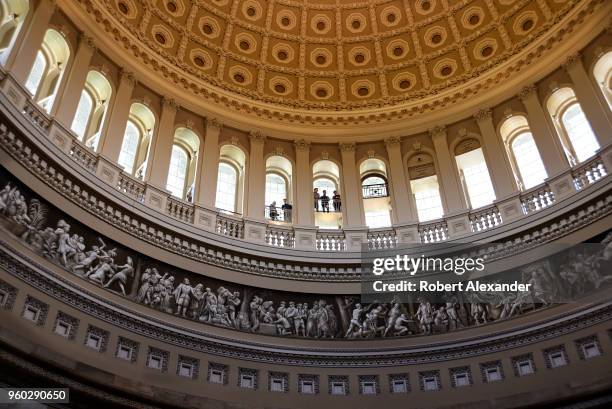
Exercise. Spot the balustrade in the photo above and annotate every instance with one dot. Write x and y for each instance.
(538, 199)
(331, 241)
(533, 200)
(132, 187)
(83, 155)
(433, 232)
(382, 239)
(279, 237)
(227, 226)
(485, 219)
(180, 210)
(588, 173)
(36, 115)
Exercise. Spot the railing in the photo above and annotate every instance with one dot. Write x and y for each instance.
(278, 214)
(132, 187)
(535, 200)
(331, 241)
(372, 191)
(380, 240)
(588, 173)
(279, 237)
(433, 232)
(228, 226)
(485, 219)
(180, 210)
(36, 115)
(83, 155)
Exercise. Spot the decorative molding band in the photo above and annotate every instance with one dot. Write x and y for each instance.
(54, 286)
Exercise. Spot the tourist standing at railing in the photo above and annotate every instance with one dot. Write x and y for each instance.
(316, 196)
(325, 202)
(287, 209)
(273, 212)
(336, 202)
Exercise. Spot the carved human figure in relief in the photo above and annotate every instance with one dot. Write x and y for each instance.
(355, 324)
(104, 267)
(90, 258)
(254, 309)
(394, 313)
(233, 301)
(182, 294)
(64, 247)
(299, 320)
(167, 295)
(122, 276)
(401, 325)
(425, 316)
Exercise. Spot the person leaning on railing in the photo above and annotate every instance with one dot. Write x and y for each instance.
(287, 208)
(316, 196)
(272, 211)
(336, 201)
(325, 202)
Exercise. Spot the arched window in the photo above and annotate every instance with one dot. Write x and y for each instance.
(523, 152)
(427, 198)
(279, 186)
(83, 113)
(474, 173)
(129, 147)
(579, 132)
(528, 160)
(572, 125)
(177, 174)
(374, 190)
(602, 71)
(48, 69)
(37, 73)
(326, 177)
(276, 189)
(424, 186)
(326, 184)
(227, 184)
(12, 15)
(91, 111)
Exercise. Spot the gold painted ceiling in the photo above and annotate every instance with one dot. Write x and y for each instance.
(337, 54)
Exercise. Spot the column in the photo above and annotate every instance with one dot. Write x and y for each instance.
(160, 150)
(209, 165)
(69, 100)
(545, 138)
(402, 195)
(497, 160)
(352, 201)
(119, 113)
(447, 173)
(256, 177)
(25, 53)
(589, 101)
(302, 212)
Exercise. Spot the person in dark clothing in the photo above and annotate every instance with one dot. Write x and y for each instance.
(336, 201)
(316, 196)
(287, 209)
(325, 202)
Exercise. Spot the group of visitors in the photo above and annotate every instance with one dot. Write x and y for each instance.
(287, 208)
(324, 199)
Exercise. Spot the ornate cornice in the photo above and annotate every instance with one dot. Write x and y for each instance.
(393, 142)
